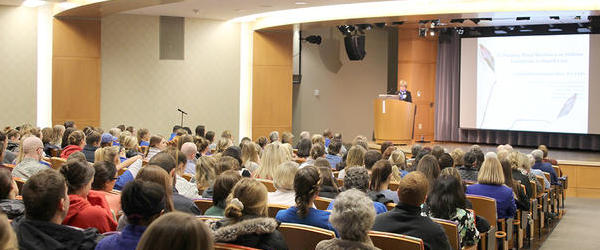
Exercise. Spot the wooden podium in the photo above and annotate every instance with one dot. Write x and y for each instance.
(394, 121)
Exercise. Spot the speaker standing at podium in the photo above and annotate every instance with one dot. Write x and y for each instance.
(404, 94)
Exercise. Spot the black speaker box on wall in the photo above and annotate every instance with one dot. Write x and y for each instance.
(355, 47)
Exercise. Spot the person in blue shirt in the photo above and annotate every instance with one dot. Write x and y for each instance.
(306, 186)
(143, 136)
(490, 183)
(332, 153)
(175, 128)
(142, 203)
(357, 177)
(538, 156)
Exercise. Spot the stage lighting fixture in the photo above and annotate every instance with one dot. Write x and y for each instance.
(314, 39)
(398, 23)
(555, 17)
(523, 18)
(423, 21)
(460, 31)
(346, 29)
(422, 32)
(431, 32)
(475, 20)
(380, 25)
(457, 20)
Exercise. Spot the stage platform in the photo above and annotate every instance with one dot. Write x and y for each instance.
(581, 167)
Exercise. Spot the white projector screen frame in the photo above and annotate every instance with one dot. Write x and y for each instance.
(512, 110)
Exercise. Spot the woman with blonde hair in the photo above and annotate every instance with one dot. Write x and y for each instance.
(143, 136)
(273, 155)
(222, 144)
(491, 184)
(58, 131)
(398, 160)
(354, 158)
(130, 143)
(176, 230)
(250, 156)
(246, 222)
(283, 180)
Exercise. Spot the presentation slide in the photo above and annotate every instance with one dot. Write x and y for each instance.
(526, 83)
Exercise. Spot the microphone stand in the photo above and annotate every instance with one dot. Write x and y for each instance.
(182, 113)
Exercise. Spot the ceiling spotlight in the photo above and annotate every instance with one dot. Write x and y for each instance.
(500, 32)
(431, 32)
(314, 39)
(460, 31)
(577, 17)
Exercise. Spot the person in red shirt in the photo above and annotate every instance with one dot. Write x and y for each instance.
(76, 143)
(88, 208)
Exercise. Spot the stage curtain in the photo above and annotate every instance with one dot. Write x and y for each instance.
(447, 93)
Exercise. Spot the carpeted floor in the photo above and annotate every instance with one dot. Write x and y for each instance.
(579, 229)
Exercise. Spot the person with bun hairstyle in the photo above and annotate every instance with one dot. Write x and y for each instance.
(87, 208)
(176, 230)
(76, 143)
(246, 222)
(306, 184)
(143, 202)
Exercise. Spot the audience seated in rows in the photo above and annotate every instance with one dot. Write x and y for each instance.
(352, 217)
(111, 154)
(447, 201)
(246, 222)
(333, 151)
(143, 202)
(381, 175)
(317, 150)
(521, 199)
(87, 208)
(355, 157)
(283, 180)
(406, 217)
(165, 161)
(538, 156)
(9, 205)
(358, 178)
(33, 150)
(490, 183)
(306, 188)
(46, 205)
(469, 170)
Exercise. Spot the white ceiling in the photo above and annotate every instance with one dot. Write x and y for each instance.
(229, 9)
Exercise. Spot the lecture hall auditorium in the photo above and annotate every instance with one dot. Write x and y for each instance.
(299, 124)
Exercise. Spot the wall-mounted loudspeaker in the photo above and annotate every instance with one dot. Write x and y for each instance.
(355, 47)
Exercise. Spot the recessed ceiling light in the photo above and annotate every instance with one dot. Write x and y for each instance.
(301, 3)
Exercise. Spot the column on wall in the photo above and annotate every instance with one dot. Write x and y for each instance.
(417, 65)
(76, 72)
(271, 82)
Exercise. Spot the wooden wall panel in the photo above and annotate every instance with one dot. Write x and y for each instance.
(583, 181)
(271, 82)
(417, 58)
(76, 72)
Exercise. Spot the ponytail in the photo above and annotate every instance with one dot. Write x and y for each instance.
(306, 185)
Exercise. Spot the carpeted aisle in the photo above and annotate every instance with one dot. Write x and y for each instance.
(579, 229)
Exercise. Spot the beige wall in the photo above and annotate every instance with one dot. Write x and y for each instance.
(347, 89)
(18, 63)
(140, 90)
